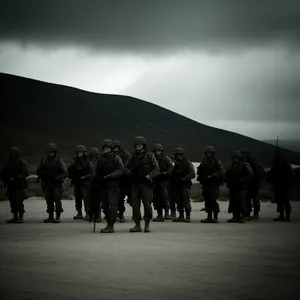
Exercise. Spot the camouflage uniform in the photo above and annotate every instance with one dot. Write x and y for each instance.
(80, 172)
(210, 175)
(252, 197)
(124, 184)
(238, 176)
(281, 178)
(53, 172)
(140, 165)
(14, 175)
(161, 184)
(109, 169)
(181, 182)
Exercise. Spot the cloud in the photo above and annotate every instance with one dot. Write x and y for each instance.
(152, 26)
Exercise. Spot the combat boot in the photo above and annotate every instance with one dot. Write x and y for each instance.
(50, 219)
(20, 219)
(137, 227)
(122, 219)
(147, 226)
(78, 216)
(247, 218)
(57, 219)
(86, 217)
(241, 219)
(167, 216)
(255, 216)
(159, 217)
(14, 219)
(280, 218)
(180, 218)
(172, 216)
(216, 219)
(209, 218)
(109, 228)
(188, 217)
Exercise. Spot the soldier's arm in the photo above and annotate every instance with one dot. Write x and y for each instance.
(128, 165)
(119, 171)
(220, 172)
(155, 171)
(24, 171)
(169, 165)
(191, 174)
(70, 170)
(63, 174)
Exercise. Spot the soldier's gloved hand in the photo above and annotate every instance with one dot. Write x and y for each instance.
(148, 177)
(106, 177)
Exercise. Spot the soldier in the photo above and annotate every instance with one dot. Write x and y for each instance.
(210, 175)
(14, 175)
(80, 172)
(161, 184)
(143, 167)
(281, 178)
(181, 182)
(237, 177)
(124, 185)
(93, 191)
(53, 172)
(109, 169)
(252, 197)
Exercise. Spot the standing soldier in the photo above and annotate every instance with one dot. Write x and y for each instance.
(252, 197)
(181, 182)
(143, 167)
(80, 172)
(93, 191)
(161, 184)
(53, 172)
(237, 177)
(14, 175)
(281, 178)
(109, 170)
(210, 175)
(124, 184)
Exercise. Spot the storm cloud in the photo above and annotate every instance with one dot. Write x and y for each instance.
(230, 64)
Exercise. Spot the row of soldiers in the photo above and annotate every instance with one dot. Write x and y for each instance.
(102, 181)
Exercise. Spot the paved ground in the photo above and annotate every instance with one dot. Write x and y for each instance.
(258, 260)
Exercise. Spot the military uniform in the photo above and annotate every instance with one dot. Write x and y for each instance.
(181, 182)
(53, 172)
(161, 184)
(237, 177)
(109, 170)
(80, 172)
(210, 175)
(143, 168)
(281, 178)
(252, 197)
(124, 184)
(14, 175)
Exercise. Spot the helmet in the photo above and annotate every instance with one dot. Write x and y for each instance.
(236, 154)
(139, 140)
(107, 144)
(94, 151)
(210, 149)
(158, 147)
(14, 151)
(52, 147)
(116, 143)
(179, 151)
(80, 148)
(244, 151)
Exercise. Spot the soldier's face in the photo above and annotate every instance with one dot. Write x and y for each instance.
(208, 154)
(106, 150)
(244, 156)
(116, 149)
(51, 154)
(158, 152)
(139, 147)
(179, 156)
(80, 153)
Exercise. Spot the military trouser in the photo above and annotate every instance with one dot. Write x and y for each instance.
(283, 200)
(94, 198)
(182, 197)
(161, 197)
(53, 195)
(121, 203)
(237, 201)
(172, 201)
(252, 199)
(16, 199)
(81, 192)
(211, 195)
(109, 197)
(145, 193)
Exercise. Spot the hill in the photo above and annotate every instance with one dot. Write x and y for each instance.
(293, 145)
(34, 113)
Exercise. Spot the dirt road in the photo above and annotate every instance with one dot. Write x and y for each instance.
(257, 260)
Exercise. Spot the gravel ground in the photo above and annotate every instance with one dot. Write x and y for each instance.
(257, 260)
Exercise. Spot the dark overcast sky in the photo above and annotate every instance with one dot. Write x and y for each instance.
(230, 64)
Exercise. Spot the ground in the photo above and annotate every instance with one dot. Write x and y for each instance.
(257, 260)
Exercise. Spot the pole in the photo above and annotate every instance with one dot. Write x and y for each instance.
(277, 141)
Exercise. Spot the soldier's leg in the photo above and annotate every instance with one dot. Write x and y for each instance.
(147, 198)
(186, 197)
(86, 198)
(278, 194)
(287, 205)
(57, 197)
(121, 203)
(172, 203)
(242, 206)
(208, 204)
(136, 207)
(177, 196)
(234, 206)
(50, 204)
(165, 200)
(19, 200)
(78, 202)
(13, 205)
(158, 203)
(256, 202)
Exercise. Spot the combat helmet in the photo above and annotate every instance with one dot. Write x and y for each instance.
(209, 149)
(94, 151)
(107, 143)
(178, 150)
(116, 143)
(52, 148)
(14, 151)
(140, 140)
(236, 154)
(158, 147)
(80, 148)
